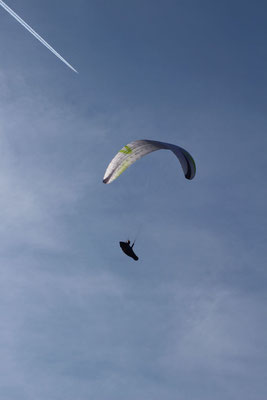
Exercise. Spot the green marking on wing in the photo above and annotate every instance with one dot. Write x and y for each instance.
(124, 166)
(126, 150)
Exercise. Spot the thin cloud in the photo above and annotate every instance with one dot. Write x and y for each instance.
(35, 34)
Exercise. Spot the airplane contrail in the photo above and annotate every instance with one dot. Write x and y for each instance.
(35, 34)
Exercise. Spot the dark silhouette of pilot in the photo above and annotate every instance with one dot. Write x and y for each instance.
(127, 248)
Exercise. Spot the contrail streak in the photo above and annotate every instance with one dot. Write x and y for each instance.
(35, 34)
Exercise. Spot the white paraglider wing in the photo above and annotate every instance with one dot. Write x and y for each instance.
(139, 148)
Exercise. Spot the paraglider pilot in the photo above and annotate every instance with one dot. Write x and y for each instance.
(128, 250)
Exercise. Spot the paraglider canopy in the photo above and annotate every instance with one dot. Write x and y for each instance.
(140, 148)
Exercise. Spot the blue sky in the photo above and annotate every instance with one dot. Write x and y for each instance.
(80, 320)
